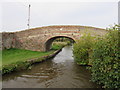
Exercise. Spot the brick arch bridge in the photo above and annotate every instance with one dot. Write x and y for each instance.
(49, 41)
(40, 39)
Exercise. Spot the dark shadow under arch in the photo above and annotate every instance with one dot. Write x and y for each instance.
(48, 43)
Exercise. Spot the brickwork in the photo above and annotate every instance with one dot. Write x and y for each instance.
(40, 39)
(8, 40)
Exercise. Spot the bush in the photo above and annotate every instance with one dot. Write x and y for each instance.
(82, 49)
(106, 65)
(104, 53)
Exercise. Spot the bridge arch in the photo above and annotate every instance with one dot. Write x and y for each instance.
(49, 41)
(37, 39)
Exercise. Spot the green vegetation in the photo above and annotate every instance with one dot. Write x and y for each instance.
(14, 55)
(104, 55)
(18, 59)
(106, 60)
(0, 59)
(63, 39)
(58, 45)
(61, 42)
(82, 49)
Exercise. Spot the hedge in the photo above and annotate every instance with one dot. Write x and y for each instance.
(104, 54)
(82, 49)
(106, 61)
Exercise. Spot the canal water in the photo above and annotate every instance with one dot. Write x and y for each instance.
(59, 72)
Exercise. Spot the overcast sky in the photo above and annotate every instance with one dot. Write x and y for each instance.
(97, 14)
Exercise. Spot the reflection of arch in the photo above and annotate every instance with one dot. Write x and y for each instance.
(48, 43)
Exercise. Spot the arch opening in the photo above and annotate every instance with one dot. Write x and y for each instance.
(48, 44)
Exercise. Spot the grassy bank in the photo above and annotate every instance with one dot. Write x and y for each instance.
(18, 59)
(13, 55)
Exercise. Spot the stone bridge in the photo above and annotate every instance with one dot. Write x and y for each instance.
(40, 39)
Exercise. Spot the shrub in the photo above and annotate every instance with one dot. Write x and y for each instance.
(82, 49)
(106, 65)
(104, 53)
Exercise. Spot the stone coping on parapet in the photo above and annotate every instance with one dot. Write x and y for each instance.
(57, 26)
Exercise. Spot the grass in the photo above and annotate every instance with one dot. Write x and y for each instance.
(13, 55)
(0, 59)
(18, 59)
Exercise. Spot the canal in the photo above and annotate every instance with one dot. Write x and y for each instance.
(58, 72)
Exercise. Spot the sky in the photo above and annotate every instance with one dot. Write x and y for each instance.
(96, 13)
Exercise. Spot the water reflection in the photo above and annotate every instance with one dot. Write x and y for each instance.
(59, 72)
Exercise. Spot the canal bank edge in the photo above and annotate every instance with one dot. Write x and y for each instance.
(27, 64)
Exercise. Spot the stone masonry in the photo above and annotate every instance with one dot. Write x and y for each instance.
(40, 39)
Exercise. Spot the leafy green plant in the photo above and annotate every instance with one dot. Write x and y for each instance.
(106, 60)
(82, 49)
(104, 54)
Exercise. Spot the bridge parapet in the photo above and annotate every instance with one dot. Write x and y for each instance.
(35, 39)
